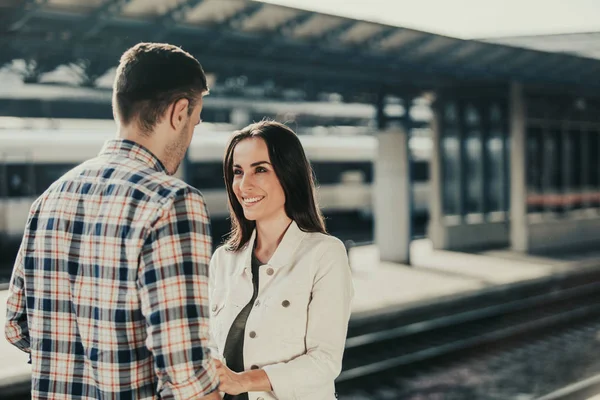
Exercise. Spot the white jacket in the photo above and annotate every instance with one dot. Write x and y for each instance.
(297, 328)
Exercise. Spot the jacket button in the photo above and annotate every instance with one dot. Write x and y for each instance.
(252, 334)
(254, 367)
(260, 398)
(285, 303)
(270, 271)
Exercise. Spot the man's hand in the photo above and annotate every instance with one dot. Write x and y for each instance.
(231, 382)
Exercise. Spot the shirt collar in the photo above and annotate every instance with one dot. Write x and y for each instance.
(134, 151)
(284, 254)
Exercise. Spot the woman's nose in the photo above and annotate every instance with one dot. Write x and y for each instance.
(246, 182)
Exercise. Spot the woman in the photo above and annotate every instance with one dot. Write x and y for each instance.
(280, 288)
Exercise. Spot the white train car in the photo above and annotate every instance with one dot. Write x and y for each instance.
(36, 152)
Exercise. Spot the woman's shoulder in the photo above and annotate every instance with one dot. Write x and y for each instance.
(223, 256)
(323, 244)
(223, 252)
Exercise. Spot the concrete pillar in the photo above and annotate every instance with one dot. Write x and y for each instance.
(436, 229)
(392, 196)
(518, 185)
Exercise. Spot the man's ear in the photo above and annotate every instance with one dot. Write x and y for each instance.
(178, 113)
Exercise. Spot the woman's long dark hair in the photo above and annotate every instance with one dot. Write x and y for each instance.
(291, 168)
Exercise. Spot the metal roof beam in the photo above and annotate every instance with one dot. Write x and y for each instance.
(555, 59)
(286, 28)
(330, 39)
(234, 22)
(98, 19)
(27, 10)
(284, 31)
(486, 55)
(517, 62)
(374, 41)
(238, 18)
(333, 35)
(592, 73)
(567, 66)
(446, 53)
(413, 45)
(173, 17)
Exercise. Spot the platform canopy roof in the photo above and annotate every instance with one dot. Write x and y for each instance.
(266, 42)
(586, 44)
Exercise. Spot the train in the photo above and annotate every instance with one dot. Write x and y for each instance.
(61, 101)
(36, 152)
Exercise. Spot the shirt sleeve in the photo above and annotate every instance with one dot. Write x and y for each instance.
(173, 289)
(16, 328)
(328, 316)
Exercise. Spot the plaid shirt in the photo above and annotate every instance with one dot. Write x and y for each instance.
(109, 292)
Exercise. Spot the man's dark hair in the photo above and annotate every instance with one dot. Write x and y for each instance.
(150, 77)
(295, 175)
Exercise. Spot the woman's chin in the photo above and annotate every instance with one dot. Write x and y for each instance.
(249, 215)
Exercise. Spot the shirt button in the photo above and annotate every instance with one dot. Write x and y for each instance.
(285, 303)
(252, 334)
(254, 367)
(270, 271)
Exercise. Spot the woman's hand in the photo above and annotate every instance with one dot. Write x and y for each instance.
(231, 382)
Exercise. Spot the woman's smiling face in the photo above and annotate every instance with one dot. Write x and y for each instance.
(255, 183)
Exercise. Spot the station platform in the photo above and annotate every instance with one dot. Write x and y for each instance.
(434, 276)
(438, 275)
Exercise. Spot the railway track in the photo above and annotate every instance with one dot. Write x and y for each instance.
(419, 337)
(581, 390)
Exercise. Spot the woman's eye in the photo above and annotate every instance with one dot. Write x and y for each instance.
(237, 172)
(261, 169)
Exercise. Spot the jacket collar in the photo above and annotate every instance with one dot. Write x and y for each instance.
(134, 151)
(284, 254)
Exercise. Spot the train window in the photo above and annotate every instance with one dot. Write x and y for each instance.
(471, 117)
(593, 149)
(473, 162)
(553, 167)
(205, 175)
(495, 114)
(574, 165)
(450, 113)
(329, 173)
(18, 180)
(534, 147)
(46, 174)
(450, 149)
(494, 171)
(420, 171)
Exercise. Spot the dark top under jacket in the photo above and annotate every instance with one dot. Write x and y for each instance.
(234, 345)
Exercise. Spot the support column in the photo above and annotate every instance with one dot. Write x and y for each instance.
(518, 190)
(436, 229)
(392, 196)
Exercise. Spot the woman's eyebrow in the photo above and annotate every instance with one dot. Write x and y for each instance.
(253, 164)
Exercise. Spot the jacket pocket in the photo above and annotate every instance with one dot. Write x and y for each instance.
(217, 316)
(287, 314)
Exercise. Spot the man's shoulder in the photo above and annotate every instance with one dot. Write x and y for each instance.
(160, 188)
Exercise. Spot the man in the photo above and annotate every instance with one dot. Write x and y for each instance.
(109, 289)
